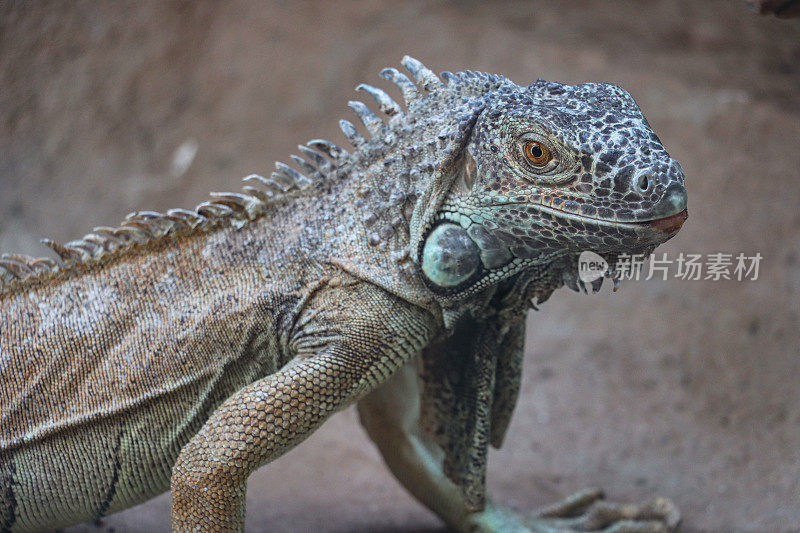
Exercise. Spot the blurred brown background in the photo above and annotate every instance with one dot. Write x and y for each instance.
(688, 389)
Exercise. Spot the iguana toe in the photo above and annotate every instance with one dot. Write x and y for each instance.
(588, 511)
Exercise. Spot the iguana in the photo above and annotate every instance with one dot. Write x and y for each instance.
(188, 348)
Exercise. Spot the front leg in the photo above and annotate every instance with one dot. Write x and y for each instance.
(350, 340)
(252, 427)
(391, 416)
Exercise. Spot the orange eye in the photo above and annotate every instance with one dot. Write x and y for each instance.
(537, 153)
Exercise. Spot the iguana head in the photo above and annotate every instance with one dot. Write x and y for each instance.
(549, 171)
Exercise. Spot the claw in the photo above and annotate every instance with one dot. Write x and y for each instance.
(588, 511)
(571, 504)
(669, 511)
(636, 526)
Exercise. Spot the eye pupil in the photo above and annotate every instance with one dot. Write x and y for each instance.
(537, 153)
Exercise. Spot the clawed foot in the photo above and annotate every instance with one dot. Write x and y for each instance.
(581, 512)
(588, 511)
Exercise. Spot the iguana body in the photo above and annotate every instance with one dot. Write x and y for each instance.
(194, 346)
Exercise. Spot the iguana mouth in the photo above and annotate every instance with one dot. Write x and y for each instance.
(667, 215)
(670, 224)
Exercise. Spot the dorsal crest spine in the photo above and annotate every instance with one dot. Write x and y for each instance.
(236, 209)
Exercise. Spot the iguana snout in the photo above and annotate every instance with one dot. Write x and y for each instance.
(670, 211)
(549, 171)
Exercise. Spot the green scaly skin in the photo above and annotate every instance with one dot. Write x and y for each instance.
(186, 349)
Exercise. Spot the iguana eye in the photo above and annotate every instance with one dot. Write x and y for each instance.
(536, 153)
(539, 157)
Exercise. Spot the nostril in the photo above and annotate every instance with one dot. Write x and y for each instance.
(643, 183)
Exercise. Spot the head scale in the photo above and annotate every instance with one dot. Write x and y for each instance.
(550, 171)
